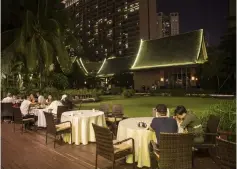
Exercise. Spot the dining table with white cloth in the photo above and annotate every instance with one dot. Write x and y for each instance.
(128, 128)
(41, 122)
(82, 129)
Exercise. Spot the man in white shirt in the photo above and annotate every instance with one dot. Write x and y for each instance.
(40, 98)
(54, 106)
(8, 99)
(25, 106)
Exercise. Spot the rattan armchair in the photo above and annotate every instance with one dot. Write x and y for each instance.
(174, 151)
(7, 110)
(60, 111)
(55, 130)
(105, 108)
(210, 134)
(106, 148)
(18, 119)
(226, 153)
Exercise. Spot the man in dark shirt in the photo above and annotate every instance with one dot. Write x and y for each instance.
(162, 123)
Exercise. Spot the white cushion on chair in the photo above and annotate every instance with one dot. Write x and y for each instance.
(62, 126)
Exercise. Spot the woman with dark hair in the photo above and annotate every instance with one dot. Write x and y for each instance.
(190, 122)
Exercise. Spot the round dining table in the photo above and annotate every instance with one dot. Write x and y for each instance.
(82, 129)
(41, 122)
(142, 136)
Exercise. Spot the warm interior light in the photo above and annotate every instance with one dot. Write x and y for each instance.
(196, 78)
(192, 78)
(162, 79)
(85, 82)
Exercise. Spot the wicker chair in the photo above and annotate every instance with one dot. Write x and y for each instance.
(55, 130)
(18, 119)
(109, 150)
(226, 153)
(174, 152)
(7, 110)
(115, 117)
(210, 133)
(104, 108)
(60, 111)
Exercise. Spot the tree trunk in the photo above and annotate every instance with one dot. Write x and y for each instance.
(218, 83)
(224, 82)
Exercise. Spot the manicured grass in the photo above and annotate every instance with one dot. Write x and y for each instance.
(142, 106)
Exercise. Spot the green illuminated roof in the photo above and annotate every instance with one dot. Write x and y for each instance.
(88, 67)
(184, 49)
(115, 65)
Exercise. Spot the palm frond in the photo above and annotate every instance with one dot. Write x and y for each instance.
(31, 56)
(29, 23)
(46, 52)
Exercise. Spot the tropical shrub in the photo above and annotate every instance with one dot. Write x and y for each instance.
(116, 90)
(54, 92)
(60, 81)
(226, 110)
(74, 92)
(128, 93)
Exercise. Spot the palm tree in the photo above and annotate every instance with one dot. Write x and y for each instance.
(42, 39)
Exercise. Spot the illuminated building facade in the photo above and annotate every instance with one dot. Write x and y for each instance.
(109, 27)
(167, 25)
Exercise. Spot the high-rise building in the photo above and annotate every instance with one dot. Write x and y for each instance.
(167, 25)
(113, 27)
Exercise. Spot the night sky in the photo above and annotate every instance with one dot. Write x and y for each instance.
(195, 14)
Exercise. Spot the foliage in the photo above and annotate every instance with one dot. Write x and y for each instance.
(116, 90)
(59, 81)
(73, 92)
(128, 93)
(226, 110)
(12, 90)
(42, 39)
(54, 92)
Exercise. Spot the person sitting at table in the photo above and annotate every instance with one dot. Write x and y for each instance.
(49, 100)
(67, 102)
(163, 123)
(32, 98)
(25, 106)
(8, 99)
(54, 106)
(190, 122)
(40, 98)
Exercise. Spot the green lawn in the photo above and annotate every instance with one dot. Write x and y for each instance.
(142, 106)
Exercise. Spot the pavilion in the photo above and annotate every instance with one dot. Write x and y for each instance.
(170, 62)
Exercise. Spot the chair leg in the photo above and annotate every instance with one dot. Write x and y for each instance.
(134, 164)
(113, 166)
(46, 137)
(22, 126)
(96, 160)
(14, 127)
(54, 141)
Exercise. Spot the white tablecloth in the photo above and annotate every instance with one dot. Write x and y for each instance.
(82, 130)
(142, 137)
(41, 117)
